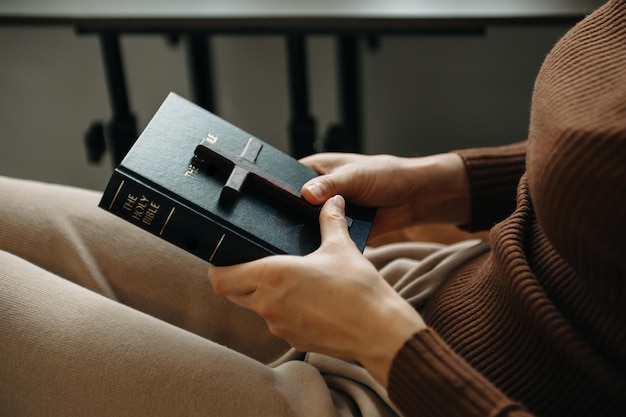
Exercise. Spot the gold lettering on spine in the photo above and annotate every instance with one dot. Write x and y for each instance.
(217, 247)
(167, 220)
(130, 202)
(151, 211)
(140, 208)
(116, 194)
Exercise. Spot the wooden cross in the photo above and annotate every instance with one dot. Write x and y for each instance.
(244, 169)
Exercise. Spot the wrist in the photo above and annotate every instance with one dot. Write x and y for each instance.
(396, 324)
(441, 189)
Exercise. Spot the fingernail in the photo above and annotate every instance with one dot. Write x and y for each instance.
(316, 190)
(338, 202)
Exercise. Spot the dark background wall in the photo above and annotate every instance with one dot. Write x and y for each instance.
(421, 95)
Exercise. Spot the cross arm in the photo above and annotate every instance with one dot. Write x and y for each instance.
(245, 170)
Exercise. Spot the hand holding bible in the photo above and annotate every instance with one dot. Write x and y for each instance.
(332, 301)
(407, 191)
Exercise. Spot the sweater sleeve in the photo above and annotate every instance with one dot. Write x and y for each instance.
(427, 378)
(493, 174)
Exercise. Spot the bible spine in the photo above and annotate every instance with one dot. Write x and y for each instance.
(137, 202)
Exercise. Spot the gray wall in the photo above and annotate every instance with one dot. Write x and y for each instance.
(421, 94)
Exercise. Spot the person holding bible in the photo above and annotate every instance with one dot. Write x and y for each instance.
(534, 325)
(101, 319)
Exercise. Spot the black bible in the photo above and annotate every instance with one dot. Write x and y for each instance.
(205, 185)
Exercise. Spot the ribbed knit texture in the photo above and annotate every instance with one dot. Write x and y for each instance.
(493, 174)
(540, 323)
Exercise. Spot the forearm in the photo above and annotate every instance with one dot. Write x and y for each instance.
(428, 378)
(394, 322)
(493, 175)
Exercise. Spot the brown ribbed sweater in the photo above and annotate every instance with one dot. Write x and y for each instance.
(538, 326)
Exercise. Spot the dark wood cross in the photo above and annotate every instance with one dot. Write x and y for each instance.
(245, 170)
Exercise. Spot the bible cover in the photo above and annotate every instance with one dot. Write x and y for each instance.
(167, 187)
